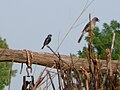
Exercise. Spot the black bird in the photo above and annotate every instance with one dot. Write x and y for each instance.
(88, 27)
(47, 41)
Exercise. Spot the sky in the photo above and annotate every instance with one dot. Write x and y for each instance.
(26, 23)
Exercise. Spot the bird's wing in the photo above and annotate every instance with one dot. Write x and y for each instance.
(80, 37)
(86, 28)
(47, 41)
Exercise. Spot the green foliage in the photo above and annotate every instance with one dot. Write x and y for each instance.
(103, 39)
(5, 67)
(3, 43)
(83, 54)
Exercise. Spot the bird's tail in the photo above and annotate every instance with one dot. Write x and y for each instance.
(42, 47)
(80, 37)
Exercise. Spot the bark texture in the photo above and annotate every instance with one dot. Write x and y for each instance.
(48, 59)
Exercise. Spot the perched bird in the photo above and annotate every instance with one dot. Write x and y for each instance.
(88, 27)
(47, 41)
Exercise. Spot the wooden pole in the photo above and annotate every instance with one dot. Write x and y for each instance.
(47, 59)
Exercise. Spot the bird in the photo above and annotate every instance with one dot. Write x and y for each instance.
(47, 40)
(90, 25)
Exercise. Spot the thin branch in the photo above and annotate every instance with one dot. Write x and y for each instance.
(113, 41)
(39, 79)
(10, 74)
(51, 80)
(59, 80)
(58, 56)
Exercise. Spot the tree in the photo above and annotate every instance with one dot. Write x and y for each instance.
(5, 68)
(83, 54)
(103, 39)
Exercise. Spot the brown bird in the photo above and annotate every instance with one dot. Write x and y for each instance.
(88, 27)
(47, 41)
